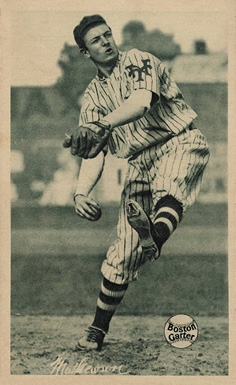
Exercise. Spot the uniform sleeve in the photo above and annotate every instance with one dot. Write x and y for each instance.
(142, 71)
(90, 110)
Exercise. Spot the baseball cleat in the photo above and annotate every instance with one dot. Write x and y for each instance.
(141, 222)
(93, 340)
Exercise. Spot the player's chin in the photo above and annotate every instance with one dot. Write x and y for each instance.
(110, 55)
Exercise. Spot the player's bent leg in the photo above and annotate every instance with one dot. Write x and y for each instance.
(168, 213)
(154, 233)
(141, 222)
(177, 179)
(125, 256)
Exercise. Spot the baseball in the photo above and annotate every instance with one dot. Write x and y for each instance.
(97, 215)
(181, 331)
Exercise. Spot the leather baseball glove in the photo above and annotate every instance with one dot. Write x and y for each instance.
(89, 140)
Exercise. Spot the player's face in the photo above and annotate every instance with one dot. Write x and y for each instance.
(100, 45)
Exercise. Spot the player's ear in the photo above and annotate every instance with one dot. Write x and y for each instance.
(85, 52)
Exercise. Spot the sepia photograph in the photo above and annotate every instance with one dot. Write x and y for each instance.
(119, 193)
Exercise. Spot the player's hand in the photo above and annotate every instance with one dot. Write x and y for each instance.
(87, 208)
(72, 141)
(88, 140)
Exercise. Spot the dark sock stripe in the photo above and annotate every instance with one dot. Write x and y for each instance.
(170, 201)
(109, 300)
(114, 286)
(168, 216)
(161, 228)
(162, 231)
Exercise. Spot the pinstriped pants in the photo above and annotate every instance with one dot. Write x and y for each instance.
(175, 168)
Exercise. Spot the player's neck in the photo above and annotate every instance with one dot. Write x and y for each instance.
(105, 70)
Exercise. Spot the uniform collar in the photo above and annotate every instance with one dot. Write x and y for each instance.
(101, 77)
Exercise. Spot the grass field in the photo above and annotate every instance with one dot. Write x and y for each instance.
(63, 217)
(194, 285)
(53, 262)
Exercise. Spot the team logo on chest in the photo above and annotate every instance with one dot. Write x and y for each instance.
(137, 72)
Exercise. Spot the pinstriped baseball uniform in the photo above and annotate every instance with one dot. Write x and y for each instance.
(166, 154)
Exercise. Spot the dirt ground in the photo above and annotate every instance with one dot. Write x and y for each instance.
(135, 345)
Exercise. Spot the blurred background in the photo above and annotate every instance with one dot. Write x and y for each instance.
(55, 253)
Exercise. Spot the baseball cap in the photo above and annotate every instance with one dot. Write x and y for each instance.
(86, 23)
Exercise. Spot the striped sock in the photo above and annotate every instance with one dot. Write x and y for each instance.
(110, 296)
(169, 213)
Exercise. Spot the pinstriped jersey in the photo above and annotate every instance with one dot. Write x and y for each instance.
(135, 70)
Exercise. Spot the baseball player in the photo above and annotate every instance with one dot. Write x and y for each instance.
(134, 108)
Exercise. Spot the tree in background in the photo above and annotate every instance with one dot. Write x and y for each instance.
(135, 35)
(76, 75)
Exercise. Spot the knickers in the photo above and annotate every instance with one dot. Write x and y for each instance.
(174, 168)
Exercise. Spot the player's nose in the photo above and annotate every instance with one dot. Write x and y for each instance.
(105, 41)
